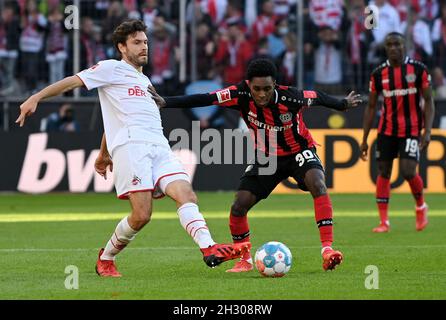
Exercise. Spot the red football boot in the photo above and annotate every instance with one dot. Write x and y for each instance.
(383, 227)
(421, 221)
(106, 268)
(219, 253)
(331, 258)
(241, 266)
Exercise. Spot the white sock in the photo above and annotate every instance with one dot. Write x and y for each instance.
(119, 240)
(193, 222)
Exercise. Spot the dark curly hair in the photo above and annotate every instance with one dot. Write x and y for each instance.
(128, 27)
(261, 68)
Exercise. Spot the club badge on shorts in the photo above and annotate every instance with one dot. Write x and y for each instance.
(136, 180)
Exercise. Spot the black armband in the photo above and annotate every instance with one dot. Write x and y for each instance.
(190, 101)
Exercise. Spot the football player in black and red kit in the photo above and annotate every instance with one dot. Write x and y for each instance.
(402, 82)
(278, 110)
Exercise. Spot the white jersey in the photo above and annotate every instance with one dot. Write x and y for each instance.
(128, 109)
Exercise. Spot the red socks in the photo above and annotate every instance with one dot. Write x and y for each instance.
(324, 219)
(239, 228)
(382, 198)
(416, 185)
(240, 232)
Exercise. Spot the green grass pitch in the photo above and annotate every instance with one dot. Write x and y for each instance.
(41, 235)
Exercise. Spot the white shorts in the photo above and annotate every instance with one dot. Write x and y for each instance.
(140, 166)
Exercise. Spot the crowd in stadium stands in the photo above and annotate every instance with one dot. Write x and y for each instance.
(339, 51)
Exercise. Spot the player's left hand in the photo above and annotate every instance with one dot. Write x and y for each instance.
(425, 139)
(353, 100)
(160, 102)
(101, 164)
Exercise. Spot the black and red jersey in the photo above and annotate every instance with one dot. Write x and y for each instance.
(402, 88)
(277, 129)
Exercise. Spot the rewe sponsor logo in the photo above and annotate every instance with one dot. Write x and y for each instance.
(137, 91)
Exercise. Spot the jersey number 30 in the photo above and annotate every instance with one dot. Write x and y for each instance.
(305, 155)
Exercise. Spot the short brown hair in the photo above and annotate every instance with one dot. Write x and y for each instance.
(128, 27)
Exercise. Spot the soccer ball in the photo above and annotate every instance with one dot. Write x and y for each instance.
(273, 259)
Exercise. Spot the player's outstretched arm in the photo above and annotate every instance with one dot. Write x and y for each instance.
(187, 101)
(28, 107)
(429, 112)
(351, 101)
(224, 98)
(369, 115)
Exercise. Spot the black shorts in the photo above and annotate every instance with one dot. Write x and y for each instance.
(389, 148)
(295, 166)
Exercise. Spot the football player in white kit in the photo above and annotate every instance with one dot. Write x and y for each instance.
(135, 148)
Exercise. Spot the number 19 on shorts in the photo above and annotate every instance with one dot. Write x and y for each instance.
(412, 147)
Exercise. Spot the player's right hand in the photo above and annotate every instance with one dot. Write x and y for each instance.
(161, 103)
(364, 148)
(101, 164)
(27, 108)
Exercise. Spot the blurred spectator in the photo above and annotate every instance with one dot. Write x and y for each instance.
(358, 41)
(198, 15)
(61, 121)
(389, 21)
(310, 42)
(233, 54)
(429, 10)
(234, 15)
(116, 14)
(264, 24)
(275, 40)
(101, 8)
(205, 50)
(9, 46)
(92, 49)
(131, 6)
(282, 8)
(251, 12)
(150, 11)
(262, 51)
(418, 37)
(402, 7)
(31, 45)
(162, 60)
(439, 39)
(95, 9)
(215, 9)
(211, 116)
(328, 62)
(327, 13)
(287, 62)
(439, 83)
(56, 46)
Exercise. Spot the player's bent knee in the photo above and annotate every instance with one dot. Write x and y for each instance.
(139, 219)
(318, 188)
(187, 196)
(140, 222)
(408, 175)
(238, 209)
